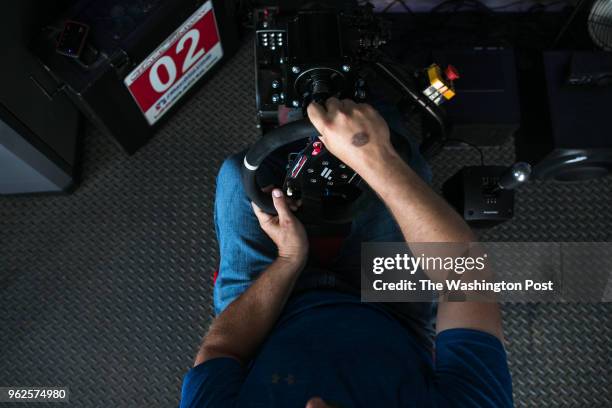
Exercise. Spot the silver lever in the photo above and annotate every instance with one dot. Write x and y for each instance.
(517, 175)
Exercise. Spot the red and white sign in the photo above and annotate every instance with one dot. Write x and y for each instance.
(163, 77)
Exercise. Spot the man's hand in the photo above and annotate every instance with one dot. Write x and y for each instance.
(358, 135)
(285, 230)
(354, 133)
(243, 326)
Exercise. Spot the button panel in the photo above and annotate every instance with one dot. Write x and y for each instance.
(271, 39)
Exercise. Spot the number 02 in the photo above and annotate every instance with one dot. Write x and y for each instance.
(193, 54)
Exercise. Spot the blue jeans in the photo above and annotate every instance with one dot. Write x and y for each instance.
(245, 250)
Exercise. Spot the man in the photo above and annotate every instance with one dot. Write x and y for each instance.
(324, 348)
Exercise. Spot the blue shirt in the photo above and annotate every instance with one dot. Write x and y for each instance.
(352, 354)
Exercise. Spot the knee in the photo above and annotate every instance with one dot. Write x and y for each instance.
(229, 173)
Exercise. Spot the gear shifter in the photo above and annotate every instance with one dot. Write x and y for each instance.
(516, 175)
(484, 195)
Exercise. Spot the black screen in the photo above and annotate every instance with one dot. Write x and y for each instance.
(315, 38)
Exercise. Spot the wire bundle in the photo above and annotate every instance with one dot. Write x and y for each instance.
(470, 5)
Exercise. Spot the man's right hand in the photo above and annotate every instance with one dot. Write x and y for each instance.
(359, 136)
(354, 133)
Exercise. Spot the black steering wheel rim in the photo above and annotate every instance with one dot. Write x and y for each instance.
(275, 139)
(289, 133)
(282, 135)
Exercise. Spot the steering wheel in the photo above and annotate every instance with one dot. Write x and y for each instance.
(330, 191)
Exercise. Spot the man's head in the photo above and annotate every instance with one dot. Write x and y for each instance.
(316, 402)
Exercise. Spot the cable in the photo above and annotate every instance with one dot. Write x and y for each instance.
(512, 4)
(472, 145)
(459, 5)
(544, 7)
(568, 23)
(479, 5)
(393, 3)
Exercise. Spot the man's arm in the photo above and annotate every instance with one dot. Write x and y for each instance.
(359, 136)
(246, 322)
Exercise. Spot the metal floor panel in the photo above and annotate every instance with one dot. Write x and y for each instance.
(108, 290)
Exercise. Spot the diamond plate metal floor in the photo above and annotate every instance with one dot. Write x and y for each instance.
(108, 290)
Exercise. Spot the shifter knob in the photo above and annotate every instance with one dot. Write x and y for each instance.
(515, 176)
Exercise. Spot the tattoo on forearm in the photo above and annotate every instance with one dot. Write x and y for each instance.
(360, 139)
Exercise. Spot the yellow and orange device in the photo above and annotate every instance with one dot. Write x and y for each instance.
(440, 85)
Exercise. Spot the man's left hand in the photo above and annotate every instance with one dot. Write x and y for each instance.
(285, 230)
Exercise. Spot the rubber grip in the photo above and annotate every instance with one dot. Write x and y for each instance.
(289, 133)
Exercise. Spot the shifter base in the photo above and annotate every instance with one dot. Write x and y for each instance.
(472, 192)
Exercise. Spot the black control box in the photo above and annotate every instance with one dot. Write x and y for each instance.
(310, 54)
(137, 62)
(487, 110)
(474, 193)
